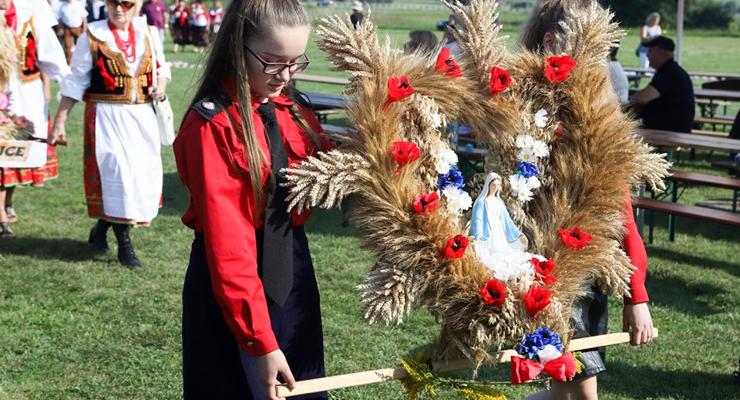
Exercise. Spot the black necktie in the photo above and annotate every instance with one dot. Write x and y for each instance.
(277, 245)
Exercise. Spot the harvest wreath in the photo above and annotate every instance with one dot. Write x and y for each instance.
(562, 159)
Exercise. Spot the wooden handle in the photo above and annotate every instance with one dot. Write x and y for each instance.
(386, 374)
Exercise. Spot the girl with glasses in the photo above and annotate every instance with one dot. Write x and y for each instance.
(112, 71)
(250, 298)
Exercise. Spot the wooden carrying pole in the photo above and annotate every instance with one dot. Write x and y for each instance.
(386, 374)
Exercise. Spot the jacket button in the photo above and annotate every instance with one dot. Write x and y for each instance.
(250, 343)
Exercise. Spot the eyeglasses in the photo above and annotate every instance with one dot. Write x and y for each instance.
(125, 5)
(276, 68)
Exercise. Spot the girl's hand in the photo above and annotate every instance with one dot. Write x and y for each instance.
(268, 367)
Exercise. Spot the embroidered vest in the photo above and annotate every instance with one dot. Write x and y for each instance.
(25, 41)
(111, 80)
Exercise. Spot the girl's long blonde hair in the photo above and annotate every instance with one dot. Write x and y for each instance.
(245, 19)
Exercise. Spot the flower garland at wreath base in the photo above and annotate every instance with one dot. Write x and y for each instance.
(566, 155)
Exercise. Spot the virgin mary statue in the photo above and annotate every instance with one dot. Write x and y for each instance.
(499, 244)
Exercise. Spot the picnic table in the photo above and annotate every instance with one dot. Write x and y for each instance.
(676, 139)
(720, 76)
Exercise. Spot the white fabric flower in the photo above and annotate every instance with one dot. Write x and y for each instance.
(533, 183)
(548, 353)
(444, 158)
(523, 141)
(527, 154)
(457, 200)
(540, 149)
(540, 118)
(436, 120)
(522, 187)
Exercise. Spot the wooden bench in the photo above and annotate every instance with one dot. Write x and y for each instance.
(693, 178)
(705, 132)
(336, 133)
(686, 211)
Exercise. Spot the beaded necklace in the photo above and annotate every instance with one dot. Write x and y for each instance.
(128, 48)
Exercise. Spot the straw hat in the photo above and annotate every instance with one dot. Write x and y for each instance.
(357, 6)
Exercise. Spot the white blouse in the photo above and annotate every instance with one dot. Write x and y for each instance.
(75, 85)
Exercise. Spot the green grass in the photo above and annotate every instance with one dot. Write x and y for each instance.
(78, 326)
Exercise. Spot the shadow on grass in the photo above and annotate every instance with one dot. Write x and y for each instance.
(699, 262)
(640, 382)
(175, 196)
(330, 223)
(48, 249)
(682, 296)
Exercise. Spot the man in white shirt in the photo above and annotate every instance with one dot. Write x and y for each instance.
(73, 17)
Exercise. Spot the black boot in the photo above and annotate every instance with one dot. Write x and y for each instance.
(98, 238)
(126, 254)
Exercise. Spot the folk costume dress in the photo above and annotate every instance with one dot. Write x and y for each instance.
(231, 315)
(38, 50)
(122, 164)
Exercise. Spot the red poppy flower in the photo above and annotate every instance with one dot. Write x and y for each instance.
(576, 238)
(536, 299)
(493, 293)
(405, 152)
(426, 203)
(455, 247)
(500, 80)
(543, 268)
(562, 368)
(399, 88)
(557, 68)
(447, 65)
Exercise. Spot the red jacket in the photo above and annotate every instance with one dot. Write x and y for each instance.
(210, 161)
(635, 249)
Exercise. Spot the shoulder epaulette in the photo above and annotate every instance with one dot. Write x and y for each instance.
(210, 106)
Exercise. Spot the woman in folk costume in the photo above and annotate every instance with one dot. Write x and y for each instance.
(250, 299)
(112, 70)
(589, 317)
(37, 50)
(180, 24)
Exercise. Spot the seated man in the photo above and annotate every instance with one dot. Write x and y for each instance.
(667, 103)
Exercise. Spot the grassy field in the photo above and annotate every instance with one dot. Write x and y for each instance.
(78, 326)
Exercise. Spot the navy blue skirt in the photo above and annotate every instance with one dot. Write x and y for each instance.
(214, 366)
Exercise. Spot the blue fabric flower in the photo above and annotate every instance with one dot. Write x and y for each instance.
(453, 178)
(528, 170)
(530, 345)
(549, 337)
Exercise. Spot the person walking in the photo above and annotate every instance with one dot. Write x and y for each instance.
(37, 51)
(180, 24)
(155, 12)
(112, 70)
(73, 16)
(357, 16)
(251, 311)
(200, 19)
(648, 32)
(217, 17)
